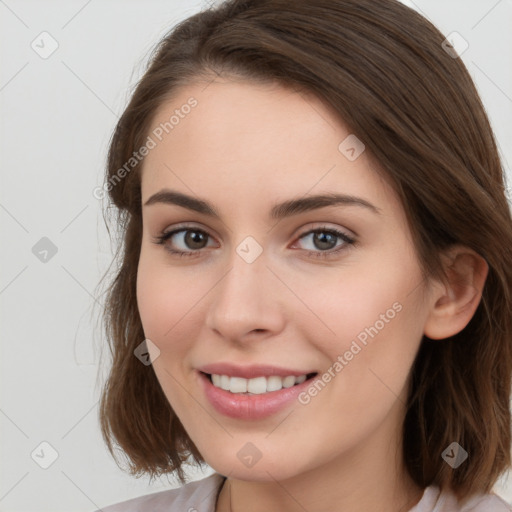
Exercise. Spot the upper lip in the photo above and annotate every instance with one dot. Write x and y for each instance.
(251, 371)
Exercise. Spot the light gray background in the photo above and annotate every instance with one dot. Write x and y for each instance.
(57, 115)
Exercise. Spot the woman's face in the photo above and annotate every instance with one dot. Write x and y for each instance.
(257, 286)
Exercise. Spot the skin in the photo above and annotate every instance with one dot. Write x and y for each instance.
(243, 148)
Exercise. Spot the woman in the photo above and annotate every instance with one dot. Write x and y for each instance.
(314, 297)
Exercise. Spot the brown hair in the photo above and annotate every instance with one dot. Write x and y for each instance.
(380, 66)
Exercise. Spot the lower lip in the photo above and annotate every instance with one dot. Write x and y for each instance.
(250, 407)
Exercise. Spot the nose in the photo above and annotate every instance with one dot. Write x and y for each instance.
(247, 301)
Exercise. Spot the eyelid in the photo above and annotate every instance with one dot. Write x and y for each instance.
(348, 240)
(297, 235)
(182, 227)
(318, 225)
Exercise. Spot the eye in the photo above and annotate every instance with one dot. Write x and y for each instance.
(325, 242)
(190, 241)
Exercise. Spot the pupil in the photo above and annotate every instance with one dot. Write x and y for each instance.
(321, 239)
(192, 238)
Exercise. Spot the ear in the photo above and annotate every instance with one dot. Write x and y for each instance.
(454, 301)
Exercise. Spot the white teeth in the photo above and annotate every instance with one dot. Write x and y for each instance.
(224, 382)
(274, 383)
(238, 385)
(288, 382)
(257, 385)
(301, 379)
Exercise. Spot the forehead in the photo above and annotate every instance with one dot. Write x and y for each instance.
(252, 140)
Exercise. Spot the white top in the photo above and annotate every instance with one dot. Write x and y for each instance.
(201, 496)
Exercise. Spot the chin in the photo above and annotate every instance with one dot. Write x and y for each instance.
(268, 470)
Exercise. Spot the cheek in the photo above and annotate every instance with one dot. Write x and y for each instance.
(378, 351)
(152, 299)
(161, 307)
(358, 306)
(375, 324)
(163, 310)
(164, 296)
(169, 307)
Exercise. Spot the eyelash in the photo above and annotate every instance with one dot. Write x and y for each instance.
(348, 241)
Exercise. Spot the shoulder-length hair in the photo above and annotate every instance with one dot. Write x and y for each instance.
(385, 70)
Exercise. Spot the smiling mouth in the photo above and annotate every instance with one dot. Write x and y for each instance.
(257, 385)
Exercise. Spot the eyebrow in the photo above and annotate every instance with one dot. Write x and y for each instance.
(278, 211)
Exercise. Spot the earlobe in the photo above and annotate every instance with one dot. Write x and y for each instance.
(454, 301)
